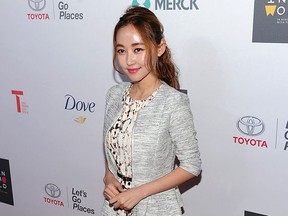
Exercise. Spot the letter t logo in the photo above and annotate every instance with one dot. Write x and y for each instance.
(18, 104)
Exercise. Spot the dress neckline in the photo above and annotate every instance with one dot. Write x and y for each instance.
(127, 93)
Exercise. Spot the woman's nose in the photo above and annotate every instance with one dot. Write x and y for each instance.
(130, 58)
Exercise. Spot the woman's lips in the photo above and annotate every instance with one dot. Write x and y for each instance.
(133, 70)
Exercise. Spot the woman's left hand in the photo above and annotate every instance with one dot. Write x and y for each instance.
(127, 199)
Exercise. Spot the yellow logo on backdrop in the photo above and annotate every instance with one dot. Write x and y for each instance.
(80, 120)
(270, 9)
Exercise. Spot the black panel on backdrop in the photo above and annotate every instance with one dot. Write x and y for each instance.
(6, 195)
(270, 21)
(247, 213)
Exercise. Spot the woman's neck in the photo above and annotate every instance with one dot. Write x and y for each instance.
(142, 90)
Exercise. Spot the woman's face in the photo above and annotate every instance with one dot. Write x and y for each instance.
(131, 53)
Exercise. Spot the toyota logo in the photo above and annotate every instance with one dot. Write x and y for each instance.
(52, 190)
(250, 125)
(37, 5)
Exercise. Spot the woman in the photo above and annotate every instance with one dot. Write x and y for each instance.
(147, 124)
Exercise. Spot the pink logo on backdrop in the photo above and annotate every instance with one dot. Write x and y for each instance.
(17, 93)
(61, 10)
(21, 106)
(54, 192)
(37, 6)
(251, 127)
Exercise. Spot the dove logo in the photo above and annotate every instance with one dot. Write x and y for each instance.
(80, 120)
(73, 104)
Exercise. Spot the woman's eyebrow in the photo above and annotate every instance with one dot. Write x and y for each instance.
(133, 44)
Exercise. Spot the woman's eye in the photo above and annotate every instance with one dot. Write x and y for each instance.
(137, 50)
(120, 51)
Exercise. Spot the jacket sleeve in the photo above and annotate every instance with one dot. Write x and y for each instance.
(108, 93)
(183, 135)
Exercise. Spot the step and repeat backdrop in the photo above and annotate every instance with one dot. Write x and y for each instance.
(56, 66)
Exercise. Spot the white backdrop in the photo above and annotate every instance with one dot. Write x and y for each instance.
(64, 67)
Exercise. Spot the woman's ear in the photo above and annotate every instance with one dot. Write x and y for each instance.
(161, 47)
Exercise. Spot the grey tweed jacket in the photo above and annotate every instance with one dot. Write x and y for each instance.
(163, 130)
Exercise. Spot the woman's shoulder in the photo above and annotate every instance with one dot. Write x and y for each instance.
(173, 94)
(115, 92)
(118, 88)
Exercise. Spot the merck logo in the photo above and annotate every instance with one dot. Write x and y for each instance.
(168, 4)
(145, 3)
